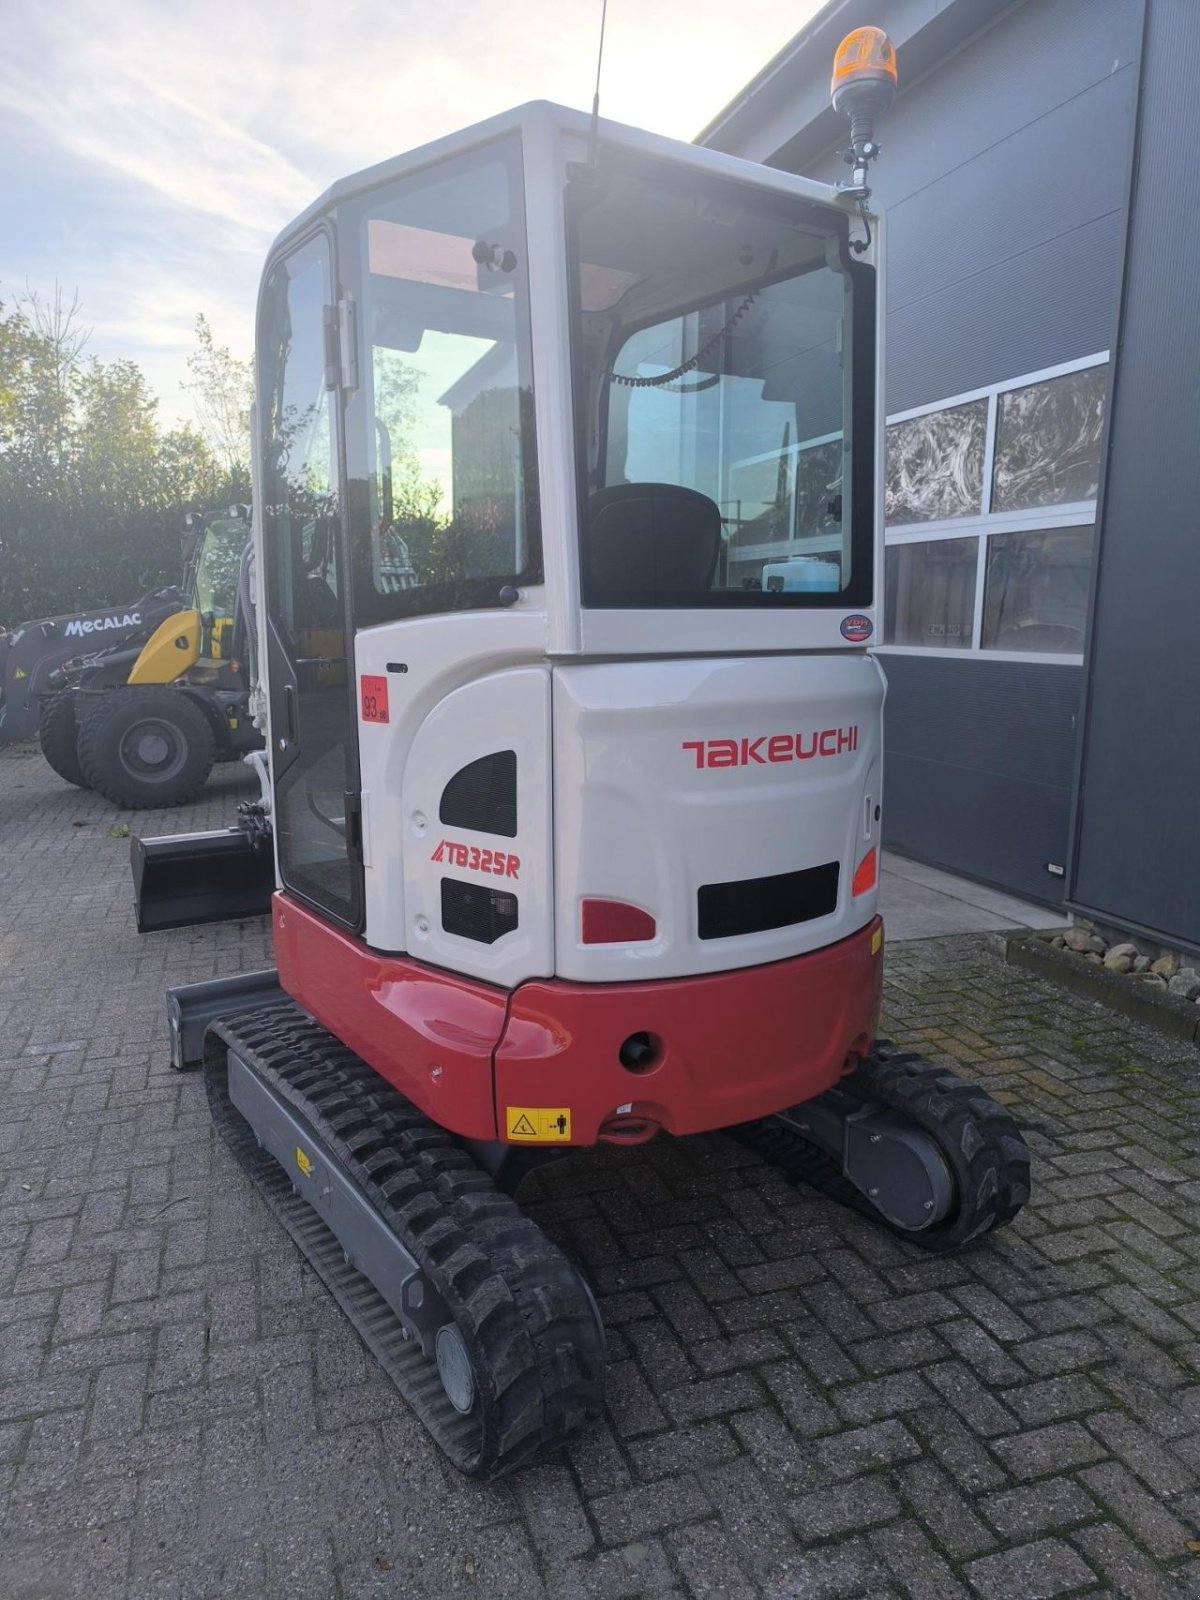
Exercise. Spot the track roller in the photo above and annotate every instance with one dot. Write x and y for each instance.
(911, 1145)
(486, 1328)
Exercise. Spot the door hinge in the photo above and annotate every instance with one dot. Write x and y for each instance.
(348, 341)
(333, 363)
(354, 831)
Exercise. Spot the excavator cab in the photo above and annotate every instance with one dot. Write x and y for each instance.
(589, 391)
(568, 532)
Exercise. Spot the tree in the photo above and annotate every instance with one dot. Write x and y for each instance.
(92, 490)
(222, 390)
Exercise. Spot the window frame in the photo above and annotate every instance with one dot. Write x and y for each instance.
(987, 524)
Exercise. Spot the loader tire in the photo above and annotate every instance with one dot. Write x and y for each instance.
(58, 735)
(144, 748)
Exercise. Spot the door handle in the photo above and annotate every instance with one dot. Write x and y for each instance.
(290, 720)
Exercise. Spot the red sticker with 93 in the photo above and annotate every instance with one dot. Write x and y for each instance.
(374, 699)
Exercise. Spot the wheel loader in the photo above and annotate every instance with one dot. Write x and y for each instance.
(163, 691)
(574, 837)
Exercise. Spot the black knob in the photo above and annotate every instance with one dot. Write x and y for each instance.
(509, 596)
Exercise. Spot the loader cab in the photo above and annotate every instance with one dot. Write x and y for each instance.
(537, 394)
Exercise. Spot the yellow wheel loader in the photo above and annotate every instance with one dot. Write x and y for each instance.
(143, 720)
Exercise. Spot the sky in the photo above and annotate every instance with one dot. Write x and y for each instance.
(154, 148)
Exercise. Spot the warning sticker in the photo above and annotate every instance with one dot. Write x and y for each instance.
(303, 1162)
(539, 1124)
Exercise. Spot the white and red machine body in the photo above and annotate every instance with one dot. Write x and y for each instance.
(576, 813)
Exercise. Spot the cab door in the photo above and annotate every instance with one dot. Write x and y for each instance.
(314, 758)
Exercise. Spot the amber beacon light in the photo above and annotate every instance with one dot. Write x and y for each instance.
(862, 88)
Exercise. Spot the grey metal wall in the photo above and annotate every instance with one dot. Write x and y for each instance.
(979, 767)
(1137, 857)
(1004, 178)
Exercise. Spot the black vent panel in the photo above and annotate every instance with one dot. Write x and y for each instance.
(752, 905)
(482, 796)
(476, 911)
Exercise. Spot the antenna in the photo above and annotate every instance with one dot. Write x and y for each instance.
(596, 97)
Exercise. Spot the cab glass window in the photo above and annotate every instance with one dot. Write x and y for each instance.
(443, 478)
(716, 354)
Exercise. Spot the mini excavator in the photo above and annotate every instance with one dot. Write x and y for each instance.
(568, 530)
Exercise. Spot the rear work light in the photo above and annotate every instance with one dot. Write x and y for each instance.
(866, 873)
(616, 922)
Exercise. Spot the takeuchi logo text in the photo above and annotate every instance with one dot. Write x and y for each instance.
(772, 747)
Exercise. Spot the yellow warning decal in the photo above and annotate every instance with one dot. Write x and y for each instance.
(539, 1124)
(877, 941)
(303, 1162)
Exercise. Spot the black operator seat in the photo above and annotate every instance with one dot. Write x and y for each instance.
(650, 540)
(316, 604)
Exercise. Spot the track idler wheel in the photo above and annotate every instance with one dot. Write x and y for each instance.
(930, 1157)
(489, 1332)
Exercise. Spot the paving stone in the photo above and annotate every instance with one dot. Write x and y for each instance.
(844, 1508)
(880, 1444)
(1034, 1571)
(1053, 1398)
(1037, 1508)
(710, 1563)
(1055, 1448)
(554, 1512)
(942, 1510)
(705, 1444)
(908, 1555)
(756, 1527)
(827, 1573)
(1124, 1566)
(1146, 1455)
(1142, 1513)
(649, 1508)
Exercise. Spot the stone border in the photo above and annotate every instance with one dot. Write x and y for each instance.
(1116, 990)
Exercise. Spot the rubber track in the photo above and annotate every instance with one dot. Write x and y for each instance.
(527, 1319)
(977, 1137)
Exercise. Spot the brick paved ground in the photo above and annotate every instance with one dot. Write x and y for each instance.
(798, 1406)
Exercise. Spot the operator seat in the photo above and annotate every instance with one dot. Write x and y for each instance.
(650, 542)
(316, 604)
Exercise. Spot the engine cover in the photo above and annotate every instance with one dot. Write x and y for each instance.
(730, 800)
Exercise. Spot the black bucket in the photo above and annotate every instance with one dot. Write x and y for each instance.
(187, 878)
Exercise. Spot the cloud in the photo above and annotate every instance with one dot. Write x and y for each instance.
(156, 151)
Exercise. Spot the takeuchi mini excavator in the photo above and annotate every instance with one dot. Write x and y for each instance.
(574, 812)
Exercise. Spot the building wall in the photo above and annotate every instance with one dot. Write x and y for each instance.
(1004, 179)
(1137, 857)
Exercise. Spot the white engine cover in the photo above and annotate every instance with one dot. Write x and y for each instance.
(673, 775)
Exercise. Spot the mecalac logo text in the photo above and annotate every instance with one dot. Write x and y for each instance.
(78, 626)
(857, 628)
(772, 747)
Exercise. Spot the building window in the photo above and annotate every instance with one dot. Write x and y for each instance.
(1048, 442)
(991, 508)
(935, 464)
(930, 593)
(1035, 591)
